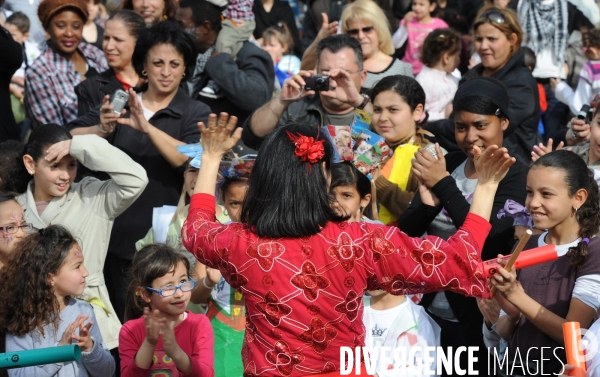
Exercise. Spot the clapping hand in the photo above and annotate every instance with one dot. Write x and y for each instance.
(492, 164)
(84, 339)
(429, 169)
(541, 149)
(154, 325)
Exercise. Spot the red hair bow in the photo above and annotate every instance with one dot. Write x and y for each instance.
(307, 148)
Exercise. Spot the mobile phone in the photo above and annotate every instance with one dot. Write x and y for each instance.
(317, 83)
(119, 100)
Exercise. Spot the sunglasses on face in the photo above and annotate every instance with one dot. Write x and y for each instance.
(493, 15)
(355, 32)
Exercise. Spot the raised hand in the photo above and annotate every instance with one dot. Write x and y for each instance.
(58, 150)
(154, 325)
(293, 87)
(217, 138)
(108, 119)
(492, 165)
(428, 169)
(84, 339)
(136, 119)
(213, 276)
(408, 17)
(343, 88)
(541, 149)
(327, 28)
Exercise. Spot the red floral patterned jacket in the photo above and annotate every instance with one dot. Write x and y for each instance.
(304, 295)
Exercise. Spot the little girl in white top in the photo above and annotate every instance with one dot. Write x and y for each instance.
(440, 57)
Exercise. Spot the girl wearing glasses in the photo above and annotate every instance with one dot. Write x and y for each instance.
(12, 225)
(161, 335)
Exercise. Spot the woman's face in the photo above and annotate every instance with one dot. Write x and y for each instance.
(493, 46)
(165, 68)
(66, 31)
(393, 118)
(118, 44)
(11, 214)
(366, 34)
(274, 48)
(472, 129)
(51, 178)
(189, 179)
(151, 10)
(93, 10)
(348, 202)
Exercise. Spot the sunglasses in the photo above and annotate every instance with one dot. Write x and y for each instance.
(365, 30)
(493, 15)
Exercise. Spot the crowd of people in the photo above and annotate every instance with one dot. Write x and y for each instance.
(236, 187)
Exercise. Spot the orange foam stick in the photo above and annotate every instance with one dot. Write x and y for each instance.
(575, 353)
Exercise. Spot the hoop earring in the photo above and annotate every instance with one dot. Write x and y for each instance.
(144, 73)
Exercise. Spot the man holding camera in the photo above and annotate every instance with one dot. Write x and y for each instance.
(340, 63)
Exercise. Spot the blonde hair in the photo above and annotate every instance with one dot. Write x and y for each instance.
(509, 26)
(369, 12)
(281, 33)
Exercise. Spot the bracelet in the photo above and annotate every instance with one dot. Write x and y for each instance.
(101, 129)
(206, 286)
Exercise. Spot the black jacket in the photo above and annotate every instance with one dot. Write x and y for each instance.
(90, 92)
(524, 112)
(179, 120)
(280, 12)
(12, 58)
(417, 218)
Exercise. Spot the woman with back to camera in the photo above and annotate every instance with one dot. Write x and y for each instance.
(160, 117)
(302, 269)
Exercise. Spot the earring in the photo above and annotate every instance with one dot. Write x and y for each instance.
(144, 73)
(183, 75)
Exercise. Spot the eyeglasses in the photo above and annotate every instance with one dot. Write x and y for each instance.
(493, 15)
(12, 229)
(170, 290)
(365, 30)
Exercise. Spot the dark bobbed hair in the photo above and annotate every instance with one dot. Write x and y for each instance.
(170, 7)
(39, 141)
(335, 43)
(11, 157)
(345, 174)
(32, 262)
(287, 197)
(6, 196)
(133, 21)
(530, 59)
(478, 103)
(437, 43)
(203, 11)
(577, 176)
(406, 87)
(166, 32)
(151, 262)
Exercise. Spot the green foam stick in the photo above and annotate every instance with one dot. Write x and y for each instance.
(40, 356)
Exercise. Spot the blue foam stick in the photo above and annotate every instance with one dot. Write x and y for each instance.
(40, 356)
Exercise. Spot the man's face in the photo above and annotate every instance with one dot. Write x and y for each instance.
(344, 59)
(203, 34)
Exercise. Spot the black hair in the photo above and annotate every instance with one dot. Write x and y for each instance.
(134, 23)
(593, 38)
(346, 174)
(287, 197)
(11, 156)
(166, 32)
(170, 7)
(203, 11)
(437, 43)
(39, 141)
(20, 20)
(34, 259)
(337, 42)
(228, 181)
(149, 263)
(6, 196)
(577, 176)
(406, 87)
(530, 59)
(479, 104)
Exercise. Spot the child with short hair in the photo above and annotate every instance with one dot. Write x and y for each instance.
(440, 57)
(47, 266)
(415, 26)
(278, 42)
(161, 335)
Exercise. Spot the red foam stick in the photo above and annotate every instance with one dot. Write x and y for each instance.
(526, 258)
(574, 348)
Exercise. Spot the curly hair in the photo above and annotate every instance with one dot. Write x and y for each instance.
(34, 260)
(437, 43)
(577, 176)
(151, 262)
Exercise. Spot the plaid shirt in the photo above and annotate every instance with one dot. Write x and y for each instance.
(239, 10)
(50, 84)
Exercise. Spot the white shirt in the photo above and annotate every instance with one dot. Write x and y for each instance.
(440, 88)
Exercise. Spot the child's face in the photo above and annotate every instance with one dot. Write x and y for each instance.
(423, 8)
(70, 280)
(392, 117)
(51, 178)
(172, 306)
(189, 179)
(274, 48)
(454, 62)
(348, 202)
(548, 200)
(595, 139)
(16, 33)
(234, 198)
(11, 214)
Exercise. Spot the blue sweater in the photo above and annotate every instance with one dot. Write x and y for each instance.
(97, 363)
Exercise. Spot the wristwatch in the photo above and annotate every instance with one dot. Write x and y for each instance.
(364, 102)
